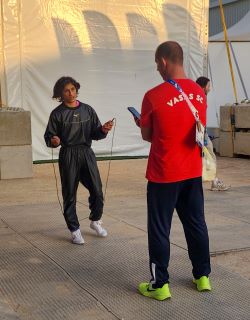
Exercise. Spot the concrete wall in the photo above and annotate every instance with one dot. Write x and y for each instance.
(242, 116)
(15, 128)
(15, 144)
(15, 162)
(237, 142)
(242, 143)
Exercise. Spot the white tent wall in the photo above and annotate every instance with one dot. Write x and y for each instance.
(222, 90)
(107, 45)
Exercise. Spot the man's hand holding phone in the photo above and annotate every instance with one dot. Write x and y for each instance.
(137, 122)
(136, 115)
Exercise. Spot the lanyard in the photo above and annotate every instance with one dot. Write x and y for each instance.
(189, 103)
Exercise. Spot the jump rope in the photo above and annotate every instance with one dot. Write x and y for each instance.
(107, 178)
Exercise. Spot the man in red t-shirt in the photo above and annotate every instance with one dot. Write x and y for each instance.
(174, 172)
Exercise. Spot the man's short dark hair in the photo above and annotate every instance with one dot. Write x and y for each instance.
(60, 84)
(170, 50)
(202, 81)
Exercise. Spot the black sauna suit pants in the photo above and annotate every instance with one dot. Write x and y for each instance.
(78, 164)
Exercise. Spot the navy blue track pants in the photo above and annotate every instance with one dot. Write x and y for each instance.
(187, 198)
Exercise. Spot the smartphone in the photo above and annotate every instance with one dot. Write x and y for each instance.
(134, 112)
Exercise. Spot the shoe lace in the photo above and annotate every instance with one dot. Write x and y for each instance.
(221, 184)
(77, 236)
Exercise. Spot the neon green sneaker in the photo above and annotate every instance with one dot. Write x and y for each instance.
(203, 284)
(158, 294)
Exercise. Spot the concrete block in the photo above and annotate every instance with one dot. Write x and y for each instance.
(15, 162)
(242, 116)
(226, 144)
(225, 118)
(15, 128)
(242, 143)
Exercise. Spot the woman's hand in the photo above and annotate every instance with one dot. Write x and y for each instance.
(55, 141)
(107, 126)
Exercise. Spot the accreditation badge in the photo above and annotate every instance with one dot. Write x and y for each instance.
(200, 133)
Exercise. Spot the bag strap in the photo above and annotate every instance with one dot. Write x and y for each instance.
(185, 97)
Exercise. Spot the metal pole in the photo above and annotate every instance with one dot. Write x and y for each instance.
(228, 49)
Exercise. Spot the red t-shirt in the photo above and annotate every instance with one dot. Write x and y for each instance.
(174, 154)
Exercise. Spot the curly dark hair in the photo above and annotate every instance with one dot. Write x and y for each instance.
(202, 81)
(60, 84)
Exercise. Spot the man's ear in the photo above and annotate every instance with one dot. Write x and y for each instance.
(163, 61)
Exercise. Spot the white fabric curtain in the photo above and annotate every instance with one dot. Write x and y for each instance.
(108, 46)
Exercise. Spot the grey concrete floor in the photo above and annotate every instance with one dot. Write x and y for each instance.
(44, 276)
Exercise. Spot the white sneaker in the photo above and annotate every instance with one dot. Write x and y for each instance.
(218, 185)
(77, 237)
(96, 225)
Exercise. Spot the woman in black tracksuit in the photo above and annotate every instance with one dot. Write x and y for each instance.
(73, 125)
